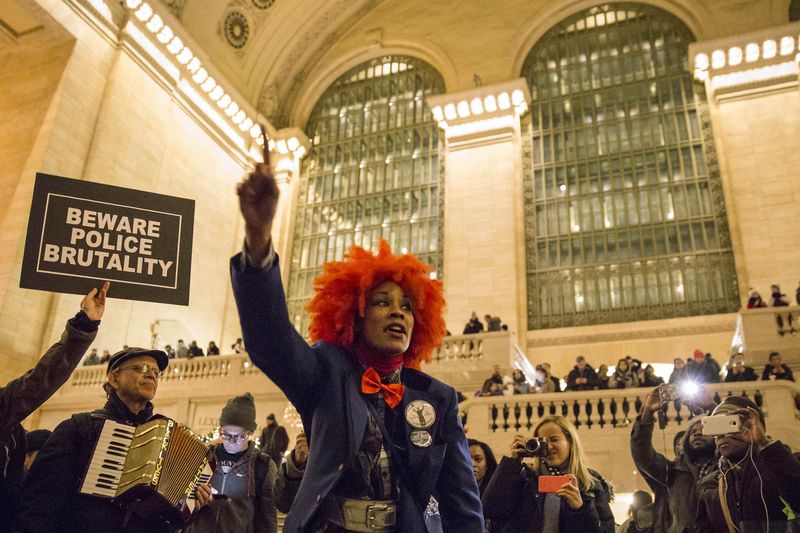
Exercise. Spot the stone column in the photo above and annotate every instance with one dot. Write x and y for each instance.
(287, 149)
(484, 262)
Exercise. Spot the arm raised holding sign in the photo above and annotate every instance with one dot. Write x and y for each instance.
(20, 397)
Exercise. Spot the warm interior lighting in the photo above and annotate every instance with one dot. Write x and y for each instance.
(717, 59)
(438, 114)
(200, 76)
(463, 109)
(293, 144)
(450, 112)
(185, 56)
(756, 75)
(224, 100)
(751, 52)
(517, 98)
(769, 49)
(503, 101)
(155, 24)
(238, 117)
(232, 109)
(787, 46)
(476, 106)
(701, 61)
(217, 93)
(165, 35)
(281, 145)
(133, 4)
(490, 104)
(144, 12)
(175, 45)
(209, 84)
(735, 56)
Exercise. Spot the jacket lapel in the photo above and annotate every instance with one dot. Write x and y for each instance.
(421, 458)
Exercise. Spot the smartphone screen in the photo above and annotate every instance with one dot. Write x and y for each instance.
(552, 483)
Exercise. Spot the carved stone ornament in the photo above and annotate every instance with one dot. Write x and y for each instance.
(236, 28)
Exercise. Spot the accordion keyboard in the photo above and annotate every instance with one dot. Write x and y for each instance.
(103, 475)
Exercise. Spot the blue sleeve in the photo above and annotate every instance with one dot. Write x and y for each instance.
(460, 504)
(272, 342)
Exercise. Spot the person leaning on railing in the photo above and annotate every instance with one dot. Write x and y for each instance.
(512, 500)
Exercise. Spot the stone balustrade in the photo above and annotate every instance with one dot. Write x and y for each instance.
(768, 329)
(604, 420)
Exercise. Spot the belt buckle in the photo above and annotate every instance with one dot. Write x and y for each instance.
(379, 516)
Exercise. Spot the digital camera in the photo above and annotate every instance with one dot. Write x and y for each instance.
(535, 447)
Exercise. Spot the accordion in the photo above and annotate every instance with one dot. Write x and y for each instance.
(152, 469)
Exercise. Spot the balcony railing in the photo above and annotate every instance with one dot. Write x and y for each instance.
(761, 331)
(600, 409)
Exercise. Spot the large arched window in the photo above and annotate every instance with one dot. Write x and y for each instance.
(373, 172)
(625, 217)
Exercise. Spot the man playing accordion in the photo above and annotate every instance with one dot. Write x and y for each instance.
(52, 499)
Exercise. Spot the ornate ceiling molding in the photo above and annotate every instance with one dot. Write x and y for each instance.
(279, 90)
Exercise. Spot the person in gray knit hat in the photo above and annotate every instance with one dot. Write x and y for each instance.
(239, 495)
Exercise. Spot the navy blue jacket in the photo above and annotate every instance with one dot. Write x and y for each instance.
(323, 383)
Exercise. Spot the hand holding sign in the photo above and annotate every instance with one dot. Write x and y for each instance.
(258, 201)
(94, 303)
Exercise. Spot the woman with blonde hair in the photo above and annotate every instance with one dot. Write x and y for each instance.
(513, 501)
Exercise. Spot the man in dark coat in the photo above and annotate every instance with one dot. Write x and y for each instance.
(22, 396)
(702, 368)
(760, 478)
(274, 440)
(582, 376)
(673, 482)
(51, 499)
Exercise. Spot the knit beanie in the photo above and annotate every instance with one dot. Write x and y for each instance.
(732, 403)
(239, 411)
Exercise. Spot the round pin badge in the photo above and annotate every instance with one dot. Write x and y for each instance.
(420, 438)
(420, 414)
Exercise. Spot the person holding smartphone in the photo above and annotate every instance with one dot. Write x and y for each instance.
(759, 478)
(674, 482)
(527, 496)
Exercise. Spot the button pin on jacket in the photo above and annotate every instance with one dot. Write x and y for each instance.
(420, 438)
(420, 414)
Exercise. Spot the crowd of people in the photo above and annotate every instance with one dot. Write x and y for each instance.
(180, 351)
(385, 450)
(630, 372)
(493, 323)
(776, 299)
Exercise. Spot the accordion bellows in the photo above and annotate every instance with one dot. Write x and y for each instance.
(154, 467)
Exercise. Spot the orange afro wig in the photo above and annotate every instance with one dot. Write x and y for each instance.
(342, 289)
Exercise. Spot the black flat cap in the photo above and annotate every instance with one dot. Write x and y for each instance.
(123, 355)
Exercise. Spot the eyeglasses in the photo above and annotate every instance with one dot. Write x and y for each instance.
(142, 369)
(233, 438)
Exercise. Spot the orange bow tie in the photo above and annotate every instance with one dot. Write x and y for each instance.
(371, 383)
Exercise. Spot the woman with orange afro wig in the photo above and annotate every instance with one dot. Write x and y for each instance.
(387, 452)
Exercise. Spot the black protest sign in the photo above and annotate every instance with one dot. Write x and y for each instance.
(82, 233)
